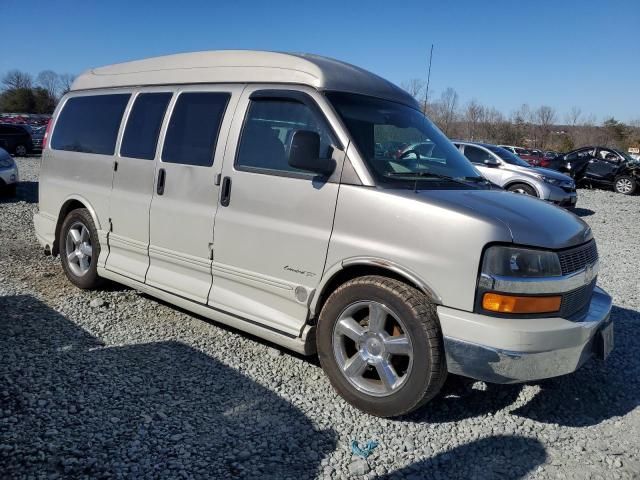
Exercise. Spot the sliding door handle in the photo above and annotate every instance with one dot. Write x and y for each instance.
(225, 192)
(160, 187)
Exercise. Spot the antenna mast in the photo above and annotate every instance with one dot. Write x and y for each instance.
(426, 93)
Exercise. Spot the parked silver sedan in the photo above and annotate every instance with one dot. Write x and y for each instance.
(510, 172)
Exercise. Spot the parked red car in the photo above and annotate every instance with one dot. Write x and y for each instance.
(532, 157)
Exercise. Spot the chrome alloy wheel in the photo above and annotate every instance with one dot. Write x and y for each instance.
(624, 185)
(78, 249)
(372, 348)
(520, 190)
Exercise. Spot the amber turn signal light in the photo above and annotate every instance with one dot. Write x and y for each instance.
(497, 302)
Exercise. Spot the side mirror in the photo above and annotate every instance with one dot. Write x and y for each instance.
(304, 153)
(491, 162)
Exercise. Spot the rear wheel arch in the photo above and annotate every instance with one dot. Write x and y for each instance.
(70, 204)
(361, 267)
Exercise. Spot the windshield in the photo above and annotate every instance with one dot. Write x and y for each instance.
(401, 146)
(626, 156)
(508, 157)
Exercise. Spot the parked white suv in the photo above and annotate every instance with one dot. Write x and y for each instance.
(510, 172)
(247, 187)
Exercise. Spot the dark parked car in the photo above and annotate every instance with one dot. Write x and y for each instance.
(603, 166)
(15, 139)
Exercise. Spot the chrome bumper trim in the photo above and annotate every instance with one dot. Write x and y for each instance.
(561, 284)
(495, 365)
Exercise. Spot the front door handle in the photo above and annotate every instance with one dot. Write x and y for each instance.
(161, 176)
(225, 192)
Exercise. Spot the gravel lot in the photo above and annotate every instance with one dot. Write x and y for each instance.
(116, 384)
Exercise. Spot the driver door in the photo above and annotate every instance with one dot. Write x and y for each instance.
(604, 165)
(274, 222)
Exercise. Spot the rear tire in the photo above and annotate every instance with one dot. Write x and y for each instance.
(625, 184)
(21, 151)
(9, 190)
(523, 189)
(79, 249)
(396, 332)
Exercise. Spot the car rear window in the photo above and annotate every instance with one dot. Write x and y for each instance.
(143, 126)
(90, 124)
(193, 130)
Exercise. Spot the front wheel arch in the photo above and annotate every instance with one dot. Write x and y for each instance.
(352, 268)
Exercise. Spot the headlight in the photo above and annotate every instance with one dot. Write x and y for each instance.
(552, 181)
(6, 162)
(520, 262)
(505, 267)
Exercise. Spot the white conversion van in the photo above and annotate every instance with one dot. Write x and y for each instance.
(257, 189)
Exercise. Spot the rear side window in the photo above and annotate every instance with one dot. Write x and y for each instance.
(475, 154)
(90, 124)
(143, 126)
(193, 130)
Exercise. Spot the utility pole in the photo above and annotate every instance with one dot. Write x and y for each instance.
(426, 93)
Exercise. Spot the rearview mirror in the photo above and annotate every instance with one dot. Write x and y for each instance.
(304, 153)
(491, 162)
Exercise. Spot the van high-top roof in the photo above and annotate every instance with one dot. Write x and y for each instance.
(243, 66)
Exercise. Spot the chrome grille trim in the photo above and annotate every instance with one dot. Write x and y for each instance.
(578, 258)
(577, 301)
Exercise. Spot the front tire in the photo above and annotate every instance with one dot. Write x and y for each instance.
(523, 189)
(79, 249)
(380, 344)
(625, 184)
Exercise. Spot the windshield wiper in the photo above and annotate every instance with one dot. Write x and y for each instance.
(478, 179)
(417, 175)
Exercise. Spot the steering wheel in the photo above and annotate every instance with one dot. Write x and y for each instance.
(404, 155)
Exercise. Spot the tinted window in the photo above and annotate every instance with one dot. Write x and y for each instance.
(143, 126)
(193, 129)
(418, 153)
(90, 124)
(475, 154)
(508, 156)
(268, 129)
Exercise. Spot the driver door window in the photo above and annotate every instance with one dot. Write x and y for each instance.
(267, 133)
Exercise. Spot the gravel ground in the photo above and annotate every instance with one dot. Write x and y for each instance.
(116, 384)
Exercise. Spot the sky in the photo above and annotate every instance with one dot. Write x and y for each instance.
(500, 53)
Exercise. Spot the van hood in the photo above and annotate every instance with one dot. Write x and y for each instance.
(530, 221)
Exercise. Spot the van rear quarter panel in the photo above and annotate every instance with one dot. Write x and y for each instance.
(440, 244)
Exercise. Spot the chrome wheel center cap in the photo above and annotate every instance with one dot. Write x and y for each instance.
(372, 348)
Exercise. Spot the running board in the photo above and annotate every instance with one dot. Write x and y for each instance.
(304, 344)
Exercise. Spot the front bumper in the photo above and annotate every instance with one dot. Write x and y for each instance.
(511, 350)
(561, 197)
(9, 175)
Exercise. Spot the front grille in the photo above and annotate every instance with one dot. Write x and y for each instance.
(577, 258)
(577, 301)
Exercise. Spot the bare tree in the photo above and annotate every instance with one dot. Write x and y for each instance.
(448, 105)
(66, 80)
(573, 117)
(545, 119)
(16, 79)
(473, 115)
(415, 87)
(50, 81)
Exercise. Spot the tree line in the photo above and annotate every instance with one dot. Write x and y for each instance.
(21, 92)
(536, 127)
